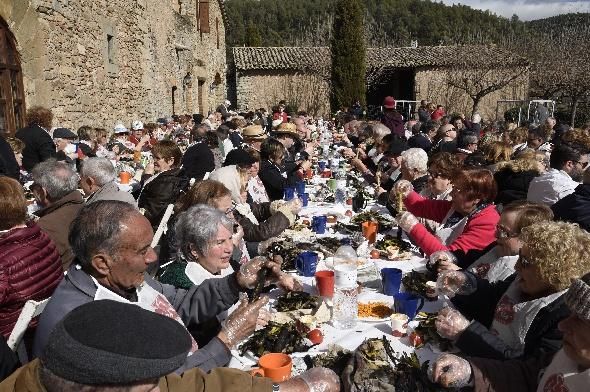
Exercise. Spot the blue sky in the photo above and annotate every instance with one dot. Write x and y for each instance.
(527, 9)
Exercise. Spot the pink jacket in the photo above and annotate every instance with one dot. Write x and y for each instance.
(479, 232)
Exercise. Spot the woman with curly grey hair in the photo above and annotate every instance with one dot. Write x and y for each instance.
(517, 317)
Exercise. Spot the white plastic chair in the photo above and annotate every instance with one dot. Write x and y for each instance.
(31, 310)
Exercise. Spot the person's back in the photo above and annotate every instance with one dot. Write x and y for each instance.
(39, 145)
(198, 160)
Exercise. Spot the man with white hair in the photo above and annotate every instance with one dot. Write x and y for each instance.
(97, 180)
(55, 186)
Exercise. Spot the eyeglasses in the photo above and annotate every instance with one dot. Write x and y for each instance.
(502, 232)
(229, 212)
(436, 175)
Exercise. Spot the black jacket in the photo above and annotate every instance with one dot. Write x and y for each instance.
(478, 341)
(39, 146)
(273, 181)
(8, 164)
(198, 160)
(513, 185)
(161, 191)
(420, 140)
(575, 207)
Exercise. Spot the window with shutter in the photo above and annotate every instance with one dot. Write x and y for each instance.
(12, 97)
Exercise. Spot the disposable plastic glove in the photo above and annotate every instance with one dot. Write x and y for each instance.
(450, 371)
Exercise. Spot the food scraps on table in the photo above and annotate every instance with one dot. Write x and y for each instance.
(335, 358)
(416, 282)
(427, 330)
(385, 223)
(392, 248)
(295, 300)
(277, 338)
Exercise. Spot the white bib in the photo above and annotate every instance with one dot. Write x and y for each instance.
(148, 299)
(448, 235)
(492, 267)
(512, 318)
(562, 375)
(257, 191)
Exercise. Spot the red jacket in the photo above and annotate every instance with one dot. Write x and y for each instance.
(478, 234)
(30, 268)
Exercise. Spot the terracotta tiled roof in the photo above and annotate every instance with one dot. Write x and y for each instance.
(318, 58)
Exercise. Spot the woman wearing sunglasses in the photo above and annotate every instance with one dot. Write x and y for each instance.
(468, 221)
(517, 317)
(498, 263)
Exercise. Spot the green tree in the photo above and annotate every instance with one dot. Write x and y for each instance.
(348, 54)
(253, 37)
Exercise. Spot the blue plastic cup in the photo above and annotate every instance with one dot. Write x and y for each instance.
(322, 165)
(391, 279)
(318, 224)
(289, 193)
(300, 187)
(304, 199)
(306, 263)
(408, 304)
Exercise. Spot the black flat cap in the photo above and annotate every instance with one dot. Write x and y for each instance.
(108, 342)
(63, 133)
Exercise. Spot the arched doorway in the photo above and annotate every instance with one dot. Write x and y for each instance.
(12, 97)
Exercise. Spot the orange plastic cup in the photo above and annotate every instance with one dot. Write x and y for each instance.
(370, 229)
(276, 366)
(124, 177)
(324, 281)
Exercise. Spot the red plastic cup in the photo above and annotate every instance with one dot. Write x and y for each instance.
(324, 281)
(370, 229)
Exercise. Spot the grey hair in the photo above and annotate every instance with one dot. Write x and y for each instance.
(197, 226)
(415, 159)
(56, 177)
(97, 228)
(379, 132)
(100, 169)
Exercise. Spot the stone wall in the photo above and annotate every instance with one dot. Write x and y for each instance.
(97, 62)
(432, 85)
(309, 92)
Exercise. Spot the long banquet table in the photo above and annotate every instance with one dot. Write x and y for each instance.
(350, 339)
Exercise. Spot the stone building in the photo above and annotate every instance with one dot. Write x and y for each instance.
(440, 74)
(97, 62)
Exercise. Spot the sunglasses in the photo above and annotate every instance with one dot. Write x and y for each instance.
(502, 232)
(583, 164)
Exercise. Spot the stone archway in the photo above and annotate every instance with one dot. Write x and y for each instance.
(12, 97)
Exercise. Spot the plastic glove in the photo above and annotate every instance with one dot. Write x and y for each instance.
(442, 260)
(406, 220)
(451, 283)
(450, 371)
(295, 205)
(403, 187)
(450, 323)
(241, 323)
(321, 380)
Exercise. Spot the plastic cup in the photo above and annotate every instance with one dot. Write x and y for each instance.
(399, 324)
(276, 366)
(300, 187)
(319, 224)
(124, 177)
(306, 263)
(408, 304)
(322, 165)
(332, 184)
(391, 279)
(370, 229)
(289, 193)
(324, 281)
(304, 199)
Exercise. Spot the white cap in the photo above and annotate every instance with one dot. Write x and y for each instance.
(137, 125)
(120, 128)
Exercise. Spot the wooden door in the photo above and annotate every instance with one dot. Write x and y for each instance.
(12, 97)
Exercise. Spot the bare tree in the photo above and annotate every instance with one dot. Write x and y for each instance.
(477, 82)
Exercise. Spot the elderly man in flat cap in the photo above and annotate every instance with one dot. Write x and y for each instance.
(566, 371)
(112, 244)
(78, 358)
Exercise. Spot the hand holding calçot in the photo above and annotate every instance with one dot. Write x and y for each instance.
(450, 371)
(403, 187)
(242, 322)
(406, 221)
(450, 323)
(443, 260)
(451, 283)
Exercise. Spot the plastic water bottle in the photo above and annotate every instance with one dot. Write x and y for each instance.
(340, 193)
(345, 311)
